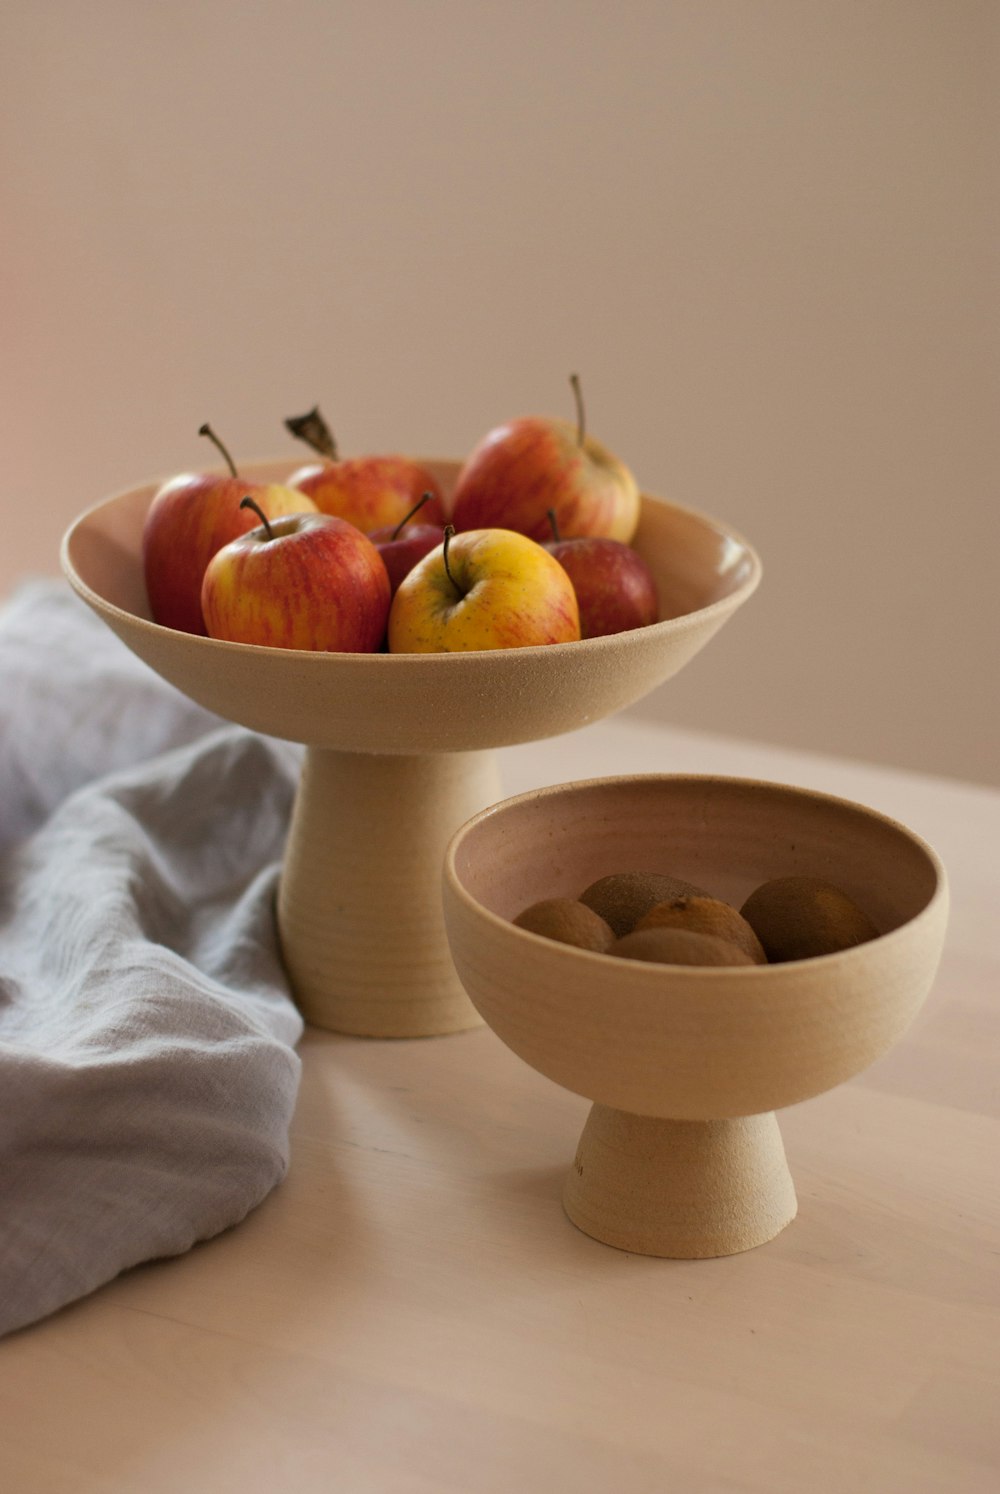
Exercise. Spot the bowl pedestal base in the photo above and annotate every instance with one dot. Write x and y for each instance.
(683, 1189)
(359, 902)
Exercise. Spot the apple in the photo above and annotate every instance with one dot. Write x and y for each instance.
(190, 518)
(615, 589)
(402, 545)
(522, 469)
(306, 581)
(483, 589)
(368, 491)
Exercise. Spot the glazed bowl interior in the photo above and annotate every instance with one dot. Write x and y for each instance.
(428, 702)
(681, 1042)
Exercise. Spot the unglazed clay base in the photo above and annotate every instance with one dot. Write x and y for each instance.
(686, 1189)
(681, 1155)
(380, 966)
(401, 747)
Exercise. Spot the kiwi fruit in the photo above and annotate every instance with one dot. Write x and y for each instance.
(622, 898)
(796, 918)
(665, 946)
(705, 915)
(567, 921)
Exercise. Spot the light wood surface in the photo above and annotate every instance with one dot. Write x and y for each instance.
(412, 1313)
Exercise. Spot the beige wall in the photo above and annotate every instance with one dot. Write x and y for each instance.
(764, 231)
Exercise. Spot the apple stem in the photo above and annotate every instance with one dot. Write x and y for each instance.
(314, 431)
(555, 527)
(249, 502)
(581, 423)
(206, 430)
(414, 510)
(449, 530)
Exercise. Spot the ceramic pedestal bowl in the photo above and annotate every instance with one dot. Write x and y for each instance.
(681, 1154)
(400, 747)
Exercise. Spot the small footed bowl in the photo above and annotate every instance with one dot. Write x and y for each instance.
(681, 1155)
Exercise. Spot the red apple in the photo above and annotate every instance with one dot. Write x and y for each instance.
(368, 491)
(615, 589)
(402, 545)
(483, 589)
(522, 469)
(190, 518)
(309, 581)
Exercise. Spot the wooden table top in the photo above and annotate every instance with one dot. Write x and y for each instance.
(412, 1313)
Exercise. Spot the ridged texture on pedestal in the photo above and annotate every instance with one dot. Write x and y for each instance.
(359, 907)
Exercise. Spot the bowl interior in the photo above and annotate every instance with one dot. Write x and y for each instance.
(421, 703)
(691, 1043)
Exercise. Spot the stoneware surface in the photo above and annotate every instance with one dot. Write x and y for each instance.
(676, 1059)
(428, 702)
(359, 908)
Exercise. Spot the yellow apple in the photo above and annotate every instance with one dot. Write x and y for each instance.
(483, 589)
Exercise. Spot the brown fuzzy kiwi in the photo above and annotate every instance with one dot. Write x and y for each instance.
(796, 918)
(705, 915)
(569, 922)
(679, 947)
(623, 897)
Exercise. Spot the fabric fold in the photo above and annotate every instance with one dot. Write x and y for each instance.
(147, 1065)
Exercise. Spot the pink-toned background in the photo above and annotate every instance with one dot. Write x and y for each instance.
(763, 231)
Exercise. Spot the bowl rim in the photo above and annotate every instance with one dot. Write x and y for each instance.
(714, 973)
(678, 625)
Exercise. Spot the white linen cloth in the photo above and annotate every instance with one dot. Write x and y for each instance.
(147, 1063)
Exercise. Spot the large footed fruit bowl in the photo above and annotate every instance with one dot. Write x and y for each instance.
(400, 747)
(681, 1154)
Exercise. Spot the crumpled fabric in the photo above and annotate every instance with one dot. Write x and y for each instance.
(148, 1070)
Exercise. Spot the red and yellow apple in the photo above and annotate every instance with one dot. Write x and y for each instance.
(308, 581)
(524, 468)
(483, 589)
(190, 518)
(367, 491)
